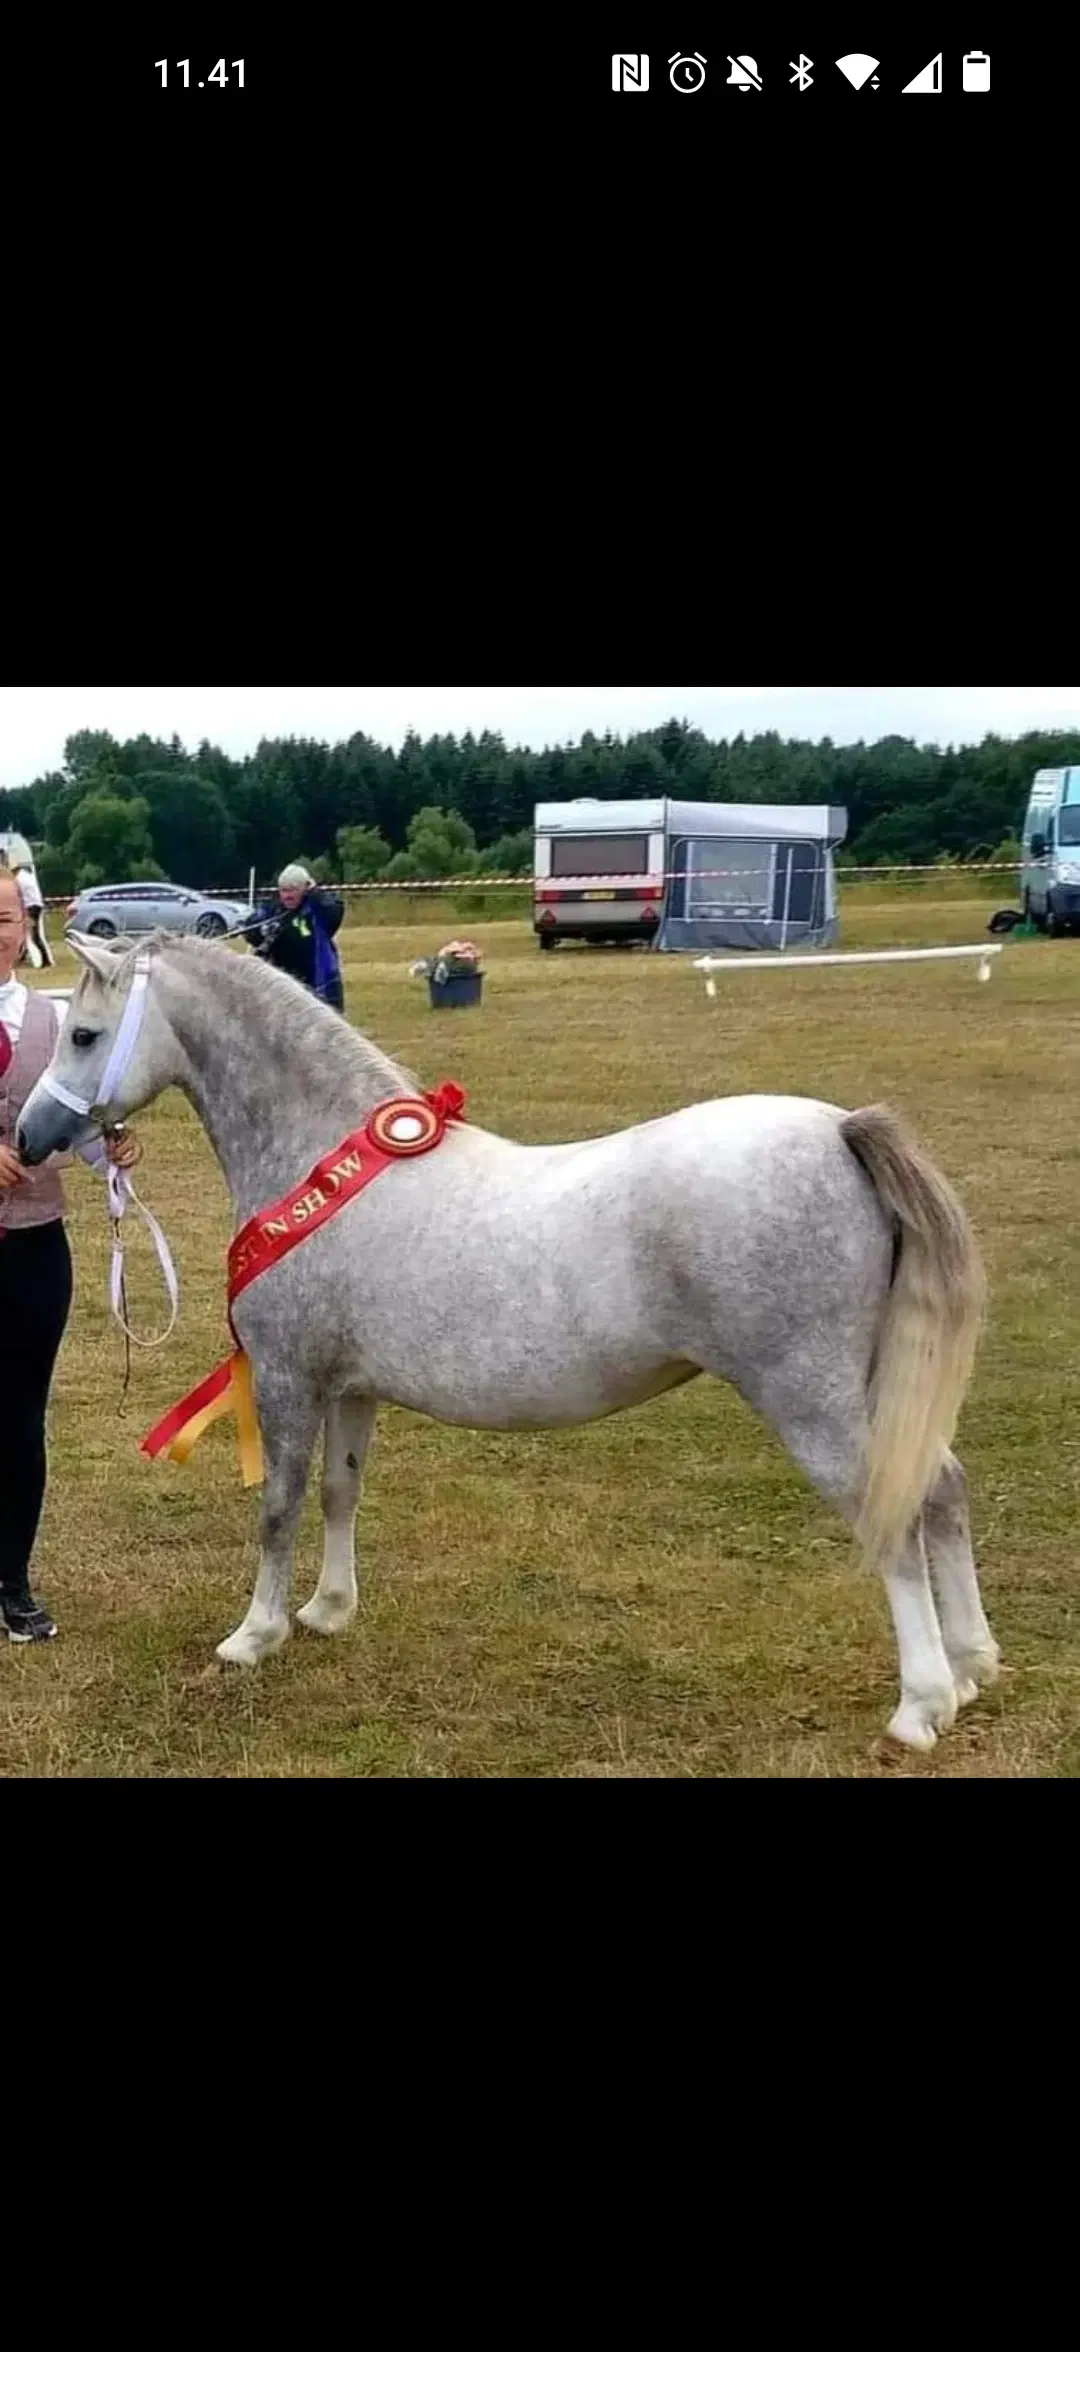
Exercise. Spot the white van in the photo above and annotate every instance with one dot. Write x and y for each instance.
(1050, 862)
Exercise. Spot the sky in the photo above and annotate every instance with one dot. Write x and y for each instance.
(36, 720)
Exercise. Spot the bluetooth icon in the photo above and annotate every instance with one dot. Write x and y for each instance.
(801, 73)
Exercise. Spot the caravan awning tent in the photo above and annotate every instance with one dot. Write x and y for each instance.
(750, 878)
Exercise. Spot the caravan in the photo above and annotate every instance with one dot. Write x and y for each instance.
(1050, 859)
(598, 869)
(686, 874)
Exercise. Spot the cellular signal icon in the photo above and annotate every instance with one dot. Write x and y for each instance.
(928, 78)
(629, 71)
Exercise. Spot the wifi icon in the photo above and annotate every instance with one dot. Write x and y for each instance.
(858, 68)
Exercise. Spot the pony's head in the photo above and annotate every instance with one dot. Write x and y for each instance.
(115, 1052)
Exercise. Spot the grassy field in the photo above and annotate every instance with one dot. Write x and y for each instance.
(656, 1595)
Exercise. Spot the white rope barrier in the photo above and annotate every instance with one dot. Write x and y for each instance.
(479, 883)
(488, 883)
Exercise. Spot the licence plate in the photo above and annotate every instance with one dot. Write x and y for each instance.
(598, 895)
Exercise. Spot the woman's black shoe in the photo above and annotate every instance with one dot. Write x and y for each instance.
(24, 1621)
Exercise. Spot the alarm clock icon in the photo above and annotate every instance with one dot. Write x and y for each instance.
(687, 71)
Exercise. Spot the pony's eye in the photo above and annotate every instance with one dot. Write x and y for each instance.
(83, 1036)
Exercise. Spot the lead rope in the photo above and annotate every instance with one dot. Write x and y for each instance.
(118, 1245)
(120, 1191)
(119, 1184)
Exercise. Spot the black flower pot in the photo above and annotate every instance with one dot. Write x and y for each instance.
(459, 991)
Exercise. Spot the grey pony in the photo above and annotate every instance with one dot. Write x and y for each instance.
(810, 1256)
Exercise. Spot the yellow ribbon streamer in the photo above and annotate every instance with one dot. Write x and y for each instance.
(237, 1400)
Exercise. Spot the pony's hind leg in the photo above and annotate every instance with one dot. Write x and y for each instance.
(829, 1446)
(350, 1423)
(928, 1694)
(288, 1433)
(972, 1651)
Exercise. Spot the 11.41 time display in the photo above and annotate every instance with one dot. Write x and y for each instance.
(218, 74)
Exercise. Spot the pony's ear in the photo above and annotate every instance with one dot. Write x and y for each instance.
(92, 951)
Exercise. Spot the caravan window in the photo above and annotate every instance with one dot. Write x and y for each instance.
(599, 853)
(1068, 832)
(742, 888)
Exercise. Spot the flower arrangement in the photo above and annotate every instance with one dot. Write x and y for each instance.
(454, 958)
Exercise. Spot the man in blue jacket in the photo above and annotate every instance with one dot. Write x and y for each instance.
(296, 932)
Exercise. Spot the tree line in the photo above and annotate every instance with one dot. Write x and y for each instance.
(359, 810)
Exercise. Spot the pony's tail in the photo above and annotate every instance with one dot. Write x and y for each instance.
(926, 1346)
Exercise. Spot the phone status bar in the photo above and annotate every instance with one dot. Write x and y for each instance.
(852, 77)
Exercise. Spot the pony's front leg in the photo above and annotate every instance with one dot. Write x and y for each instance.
(350, 1423)
(288, 1441)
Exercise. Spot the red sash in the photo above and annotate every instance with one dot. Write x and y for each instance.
(401, 1128)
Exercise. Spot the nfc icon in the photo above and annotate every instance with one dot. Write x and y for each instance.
(629, 71)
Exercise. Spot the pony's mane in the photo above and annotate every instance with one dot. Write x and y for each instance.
(289, 999)
(126, 951)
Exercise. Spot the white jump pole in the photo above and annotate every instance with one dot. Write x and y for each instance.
(983, 951)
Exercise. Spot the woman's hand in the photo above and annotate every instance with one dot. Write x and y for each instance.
(11, 1172)
(121, 1149)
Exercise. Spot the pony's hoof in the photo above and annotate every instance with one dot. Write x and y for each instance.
(966, 1690)
(978, 1669)
(917, 1723)
(327, 1615)
(245, 1649)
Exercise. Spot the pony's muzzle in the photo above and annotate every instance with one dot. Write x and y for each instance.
(43, 1127)
(32, 1158)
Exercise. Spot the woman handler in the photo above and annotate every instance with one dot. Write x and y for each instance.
(298, 934)
(35, 1271)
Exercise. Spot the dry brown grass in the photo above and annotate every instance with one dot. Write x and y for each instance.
(657, 1595)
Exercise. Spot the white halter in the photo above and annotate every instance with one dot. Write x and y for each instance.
(127, 1034)
(120, 1187)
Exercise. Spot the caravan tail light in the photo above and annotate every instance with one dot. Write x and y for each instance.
(649, 916)
(545, 918)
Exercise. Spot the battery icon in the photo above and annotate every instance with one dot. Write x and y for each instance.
(976, 71)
